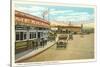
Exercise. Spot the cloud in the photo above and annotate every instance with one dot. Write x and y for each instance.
(59, 15)
(61, 11)
(75, 17)
(79, 13)
(55, 12)
(31, 9)
(70, 15)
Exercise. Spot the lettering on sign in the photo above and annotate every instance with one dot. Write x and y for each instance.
(30, 21)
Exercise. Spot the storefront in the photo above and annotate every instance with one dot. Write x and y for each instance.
(31, 32)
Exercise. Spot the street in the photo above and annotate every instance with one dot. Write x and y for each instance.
(78, 48)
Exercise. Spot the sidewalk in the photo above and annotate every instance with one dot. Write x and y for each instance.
(29, 53)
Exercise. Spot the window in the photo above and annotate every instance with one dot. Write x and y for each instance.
(32, 35)
(17, 36)
(24, 35)
(20, 35)
(41, 34)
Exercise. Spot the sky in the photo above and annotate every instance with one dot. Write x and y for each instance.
(58, 13)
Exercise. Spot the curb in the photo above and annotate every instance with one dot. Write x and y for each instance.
(33, 53)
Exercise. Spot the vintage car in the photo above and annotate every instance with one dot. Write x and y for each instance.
(62, 41)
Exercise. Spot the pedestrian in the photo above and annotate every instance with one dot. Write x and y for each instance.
(70, 36)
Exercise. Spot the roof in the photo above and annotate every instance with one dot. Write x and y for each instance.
(72, 26)
(31, 17)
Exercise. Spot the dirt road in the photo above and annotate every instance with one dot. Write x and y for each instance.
(78, 48)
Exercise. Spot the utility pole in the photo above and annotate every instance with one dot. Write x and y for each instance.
(70, 23)
(82, 28)
(46, 12)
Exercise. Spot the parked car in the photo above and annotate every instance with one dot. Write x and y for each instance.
(62, 41)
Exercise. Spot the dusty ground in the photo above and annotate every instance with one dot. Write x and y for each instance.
(79, 48)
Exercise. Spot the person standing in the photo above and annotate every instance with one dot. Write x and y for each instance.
(71, 36)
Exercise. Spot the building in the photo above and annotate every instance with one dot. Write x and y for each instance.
(31, 32)
(75, 29)
(67, 28)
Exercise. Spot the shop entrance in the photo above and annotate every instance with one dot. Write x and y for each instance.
(39, 34)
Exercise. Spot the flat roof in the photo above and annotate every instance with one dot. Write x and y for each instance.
(72, 26)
